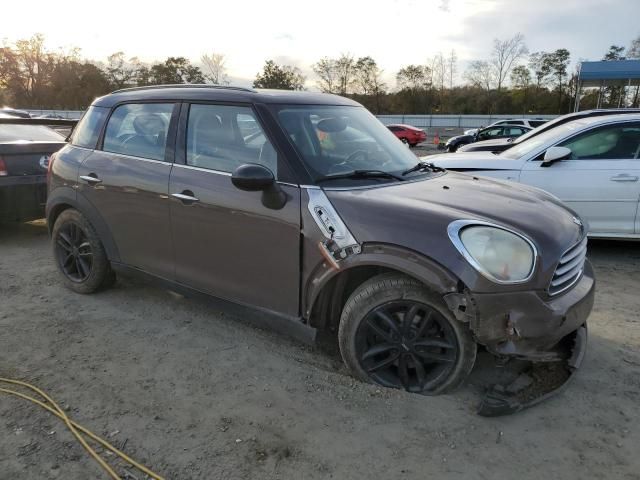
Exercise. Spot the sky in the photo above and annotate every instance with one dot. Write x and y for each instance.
(297, 32)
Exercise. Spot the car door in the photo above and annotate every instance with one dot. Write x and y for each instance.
(127, 180)
(227, 243)
(601, 179)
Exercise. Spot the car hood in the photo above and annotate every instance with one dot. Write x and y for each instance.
(475, 161)
(416, 215)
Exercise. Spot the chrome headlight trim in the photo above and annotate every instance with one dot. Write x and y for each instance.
(453, 230)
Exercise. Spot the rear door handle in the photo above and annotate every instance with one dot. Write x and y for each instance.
(91, 179)
(624, 177)
(186, 197)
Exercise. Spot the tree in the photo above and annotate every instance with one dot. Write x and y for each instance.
(282, 77)
(119, 72)
(558, 63)
(215, 69)
(615, 53)
(505, 54)
(480, 74)
(539, 62)
(634, 49)
(520, 77)
(368, 80)
(414, 77)
(174, 70)
(345, 73)
(452, 63)
(325, 69)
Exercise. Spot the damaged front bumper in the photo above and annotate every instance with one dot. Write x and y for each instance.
(547, 334)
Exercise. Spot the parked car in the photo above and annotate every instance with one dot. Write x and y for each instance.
(408, 134)
(499, 131)
(527, 122)
(411, 265)
(501, 144)
(592, 164)
(25, 149)
(14, 113)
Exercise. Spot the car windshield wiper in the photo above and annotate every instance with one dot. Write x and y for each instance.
(423, 166)
(361, 174)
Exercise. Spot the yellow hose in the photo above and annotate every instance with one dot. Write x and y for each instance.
(76, 428)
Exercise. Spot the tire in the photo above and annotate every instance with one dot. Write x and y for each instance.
(79, 254)
(432, 327)
(452, 148)
(413, 145)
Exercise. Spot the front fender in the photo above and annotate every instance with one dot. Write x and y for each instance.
(409, 262)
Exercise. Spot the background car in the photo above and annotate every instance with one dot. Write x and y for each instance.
(408, 134)
(527, 122)
(25, 149)
(501, 144)
(592, 164)
(15, 113)
(496, 131)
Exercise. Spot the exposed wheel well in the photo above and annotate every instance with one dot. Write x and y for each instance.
(55, 213)
(327, 308)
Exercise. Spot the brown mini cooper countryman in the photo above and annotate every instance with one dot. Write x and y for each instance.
(305, 207)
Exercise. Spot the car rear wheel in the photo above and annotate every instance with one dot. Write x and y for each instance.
(396, 333)
(79, 254)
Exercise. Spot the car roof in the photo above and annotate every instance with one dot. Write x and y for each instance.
(604, 119)
(203, 92)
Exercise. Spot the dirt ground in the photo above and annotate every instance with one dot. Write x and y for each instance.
(196, 393)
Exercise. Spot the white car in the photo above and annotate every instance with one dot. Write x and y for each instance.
(592, 164)
(527, 122)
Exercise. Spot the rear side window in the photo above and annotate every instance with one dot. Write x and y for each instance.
(139, 130)
(88, 128)
(223, 137)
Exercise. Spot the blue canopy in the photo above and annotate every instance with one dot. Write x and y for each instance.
(615, 72)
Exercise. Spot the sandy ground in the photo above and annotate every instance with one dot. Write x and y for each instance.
(198, 393)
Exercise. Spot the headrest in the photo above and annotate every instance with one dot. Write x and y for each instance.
(149, 124)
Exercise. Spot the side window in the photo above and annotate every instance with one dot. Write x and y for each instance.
(139, 130)
(222, 137)
(87, 131)
(616, 142)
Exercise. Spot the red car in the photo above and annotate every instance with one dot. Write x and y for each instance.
(408, 134)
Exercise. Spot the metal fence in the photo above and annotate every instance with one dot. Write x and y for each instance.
(421, 121)
(453, 121)
(68, 114)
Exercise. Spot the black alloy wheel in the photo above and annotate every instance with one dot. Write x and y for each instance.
(74, 252)
(406, 344)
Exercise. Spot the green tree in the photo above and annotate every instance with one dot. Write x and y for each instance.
(558, 63)
(283, 77)
(175, 70)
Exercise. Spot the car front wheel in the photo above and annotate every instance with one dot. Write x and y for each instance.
(79, 254)
(396, 333)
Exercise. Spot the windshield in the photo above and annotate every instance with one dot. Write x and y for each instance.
(551, 137)
(335, 140)
(25, 133)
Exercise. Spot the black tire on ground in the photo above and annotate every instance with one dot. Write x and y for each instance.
(452, 148)
(79, 255)
(441, 344)
(412, 145)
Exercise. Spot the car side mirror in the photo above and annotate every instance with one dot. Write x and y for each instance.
(555, 154)
(252, 177)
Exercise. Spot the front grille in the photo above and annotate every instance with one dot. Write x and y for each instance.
(569, 268)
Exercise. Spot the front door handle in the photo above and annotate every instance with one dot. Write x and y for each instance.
(624, 177)
(186, 197)
(92, 179)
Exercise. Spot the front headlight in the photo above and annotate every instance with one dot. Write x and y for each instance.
(499, 254)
